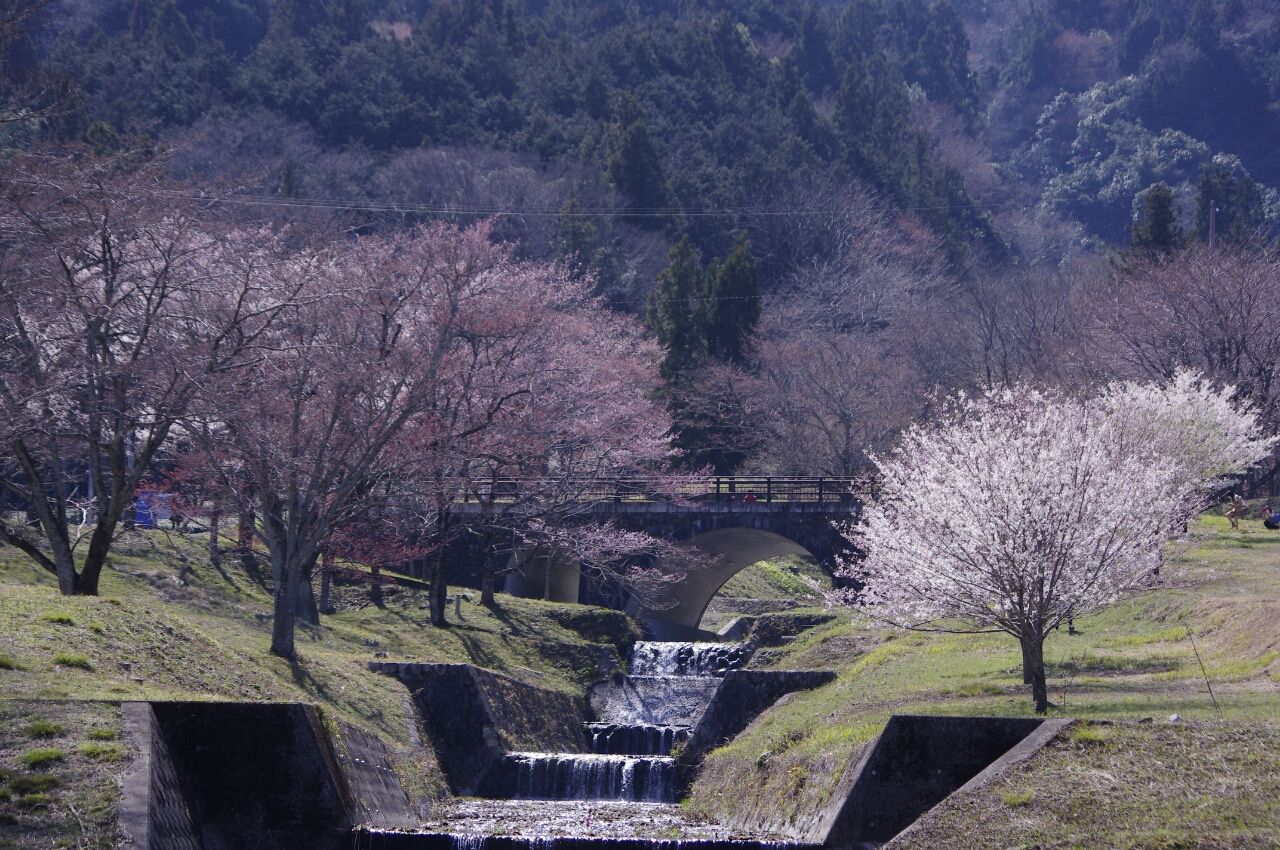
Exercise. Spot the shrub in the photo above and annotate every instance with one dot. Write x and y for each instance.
(103, 734)
(44, 729)
(41, 756)
(62, 618)
(67, 659)
(101, 752)
(7, 663)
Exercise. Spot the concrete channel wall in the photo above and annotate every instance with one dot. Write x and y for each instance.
(244, 776)
(253, 776)
(914, 764)
(474, 716)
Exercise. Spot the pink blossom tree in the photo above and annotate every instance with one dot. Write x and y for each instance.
(1015, 512)
(119, 298)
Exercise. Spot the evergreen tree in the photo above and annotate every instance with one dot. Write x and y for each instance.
(676, 310)
(814, 51)
(1157, 230)
(942, 62)
(732, 304)
(636, 171)
(1239, 201)
(575, 237)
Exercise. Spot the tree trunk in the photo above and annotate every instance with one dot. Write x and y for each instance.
(1034, 646)
(285, 601)
(244, 543)
(96, 558)
(215, 551)
(487, 582)
(326, 581)
(439, 590)
(1028, 673)
(305, 599)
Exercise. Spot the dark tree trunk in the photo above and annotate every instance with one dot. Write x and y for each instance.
(96, 558)
(285, 603)
(215, 550)
(305, 599)
(1034, 647)
(1028, 673)
(438, 589)
(326, 580)
(487, 582)
(244, 543)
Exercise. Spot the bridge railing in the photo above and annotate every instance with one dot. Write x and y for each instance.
(767, 489)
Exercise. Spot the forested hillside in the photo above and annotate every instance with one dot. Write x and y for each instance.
(823, 209)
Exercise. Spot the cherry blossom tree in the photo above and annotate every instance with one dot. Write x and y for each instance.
(1217, 311)
(408, 368)
(1020, 510)
(119, 297)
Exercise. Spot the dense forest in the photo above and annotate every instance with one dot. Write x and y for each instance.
(822, 209)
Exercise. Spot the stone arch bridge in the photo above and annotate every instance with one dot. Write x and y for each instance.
(741, 520)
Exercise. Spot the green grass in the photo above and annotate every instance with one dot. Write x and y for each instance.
(71, 801)
(101, 751)
(1134, 660)
(44, 729)
(771, 585)
(37, 784)
(1021, 797)
(1088, 733)
(1155, 786)
(41, 756)
(72, 659)
(148, 637)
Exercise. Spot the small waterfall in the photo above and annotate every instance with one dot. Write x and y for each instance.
(379, 840)
(566, 776)
(643, 739)
(668, 658)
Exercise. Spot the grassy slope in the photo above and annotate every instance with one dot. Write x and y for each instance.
(1134, 660)
(767, 585)
(149, 637)
(1205, 785)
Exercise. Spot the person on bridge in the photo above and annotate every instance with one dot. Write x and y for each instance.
(749, 498)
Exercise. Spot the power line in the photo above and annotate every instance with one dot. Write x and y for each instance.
(496, 211)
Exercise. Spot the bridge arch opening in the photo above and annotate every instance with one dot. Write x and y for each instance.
(734, 549)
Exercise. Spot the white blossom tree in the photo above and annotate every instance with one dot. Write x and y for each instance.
(1015, 512)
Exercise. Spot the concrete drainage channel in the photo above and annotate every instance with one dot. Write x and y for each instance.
(237, 776)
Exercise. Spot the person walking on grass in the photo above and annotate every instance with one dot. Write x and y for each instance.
(1235, 511)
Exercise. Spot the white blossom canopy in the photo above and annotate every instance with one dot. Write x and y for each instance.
(1016, 511)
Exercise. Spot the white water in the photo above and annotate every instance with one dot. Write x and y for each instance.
(674, 658)
(640, 739)
(570, 776)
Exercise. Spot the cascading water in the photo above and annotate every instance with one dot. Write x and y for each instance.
(565, 776)
(669, 658)
(621, 795)
(635, 739)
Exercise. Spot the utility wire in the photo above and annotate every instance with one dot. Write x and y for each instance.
(481, 210)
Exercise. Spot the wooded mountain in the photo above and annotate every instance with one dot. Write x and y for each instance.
(993, 122)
